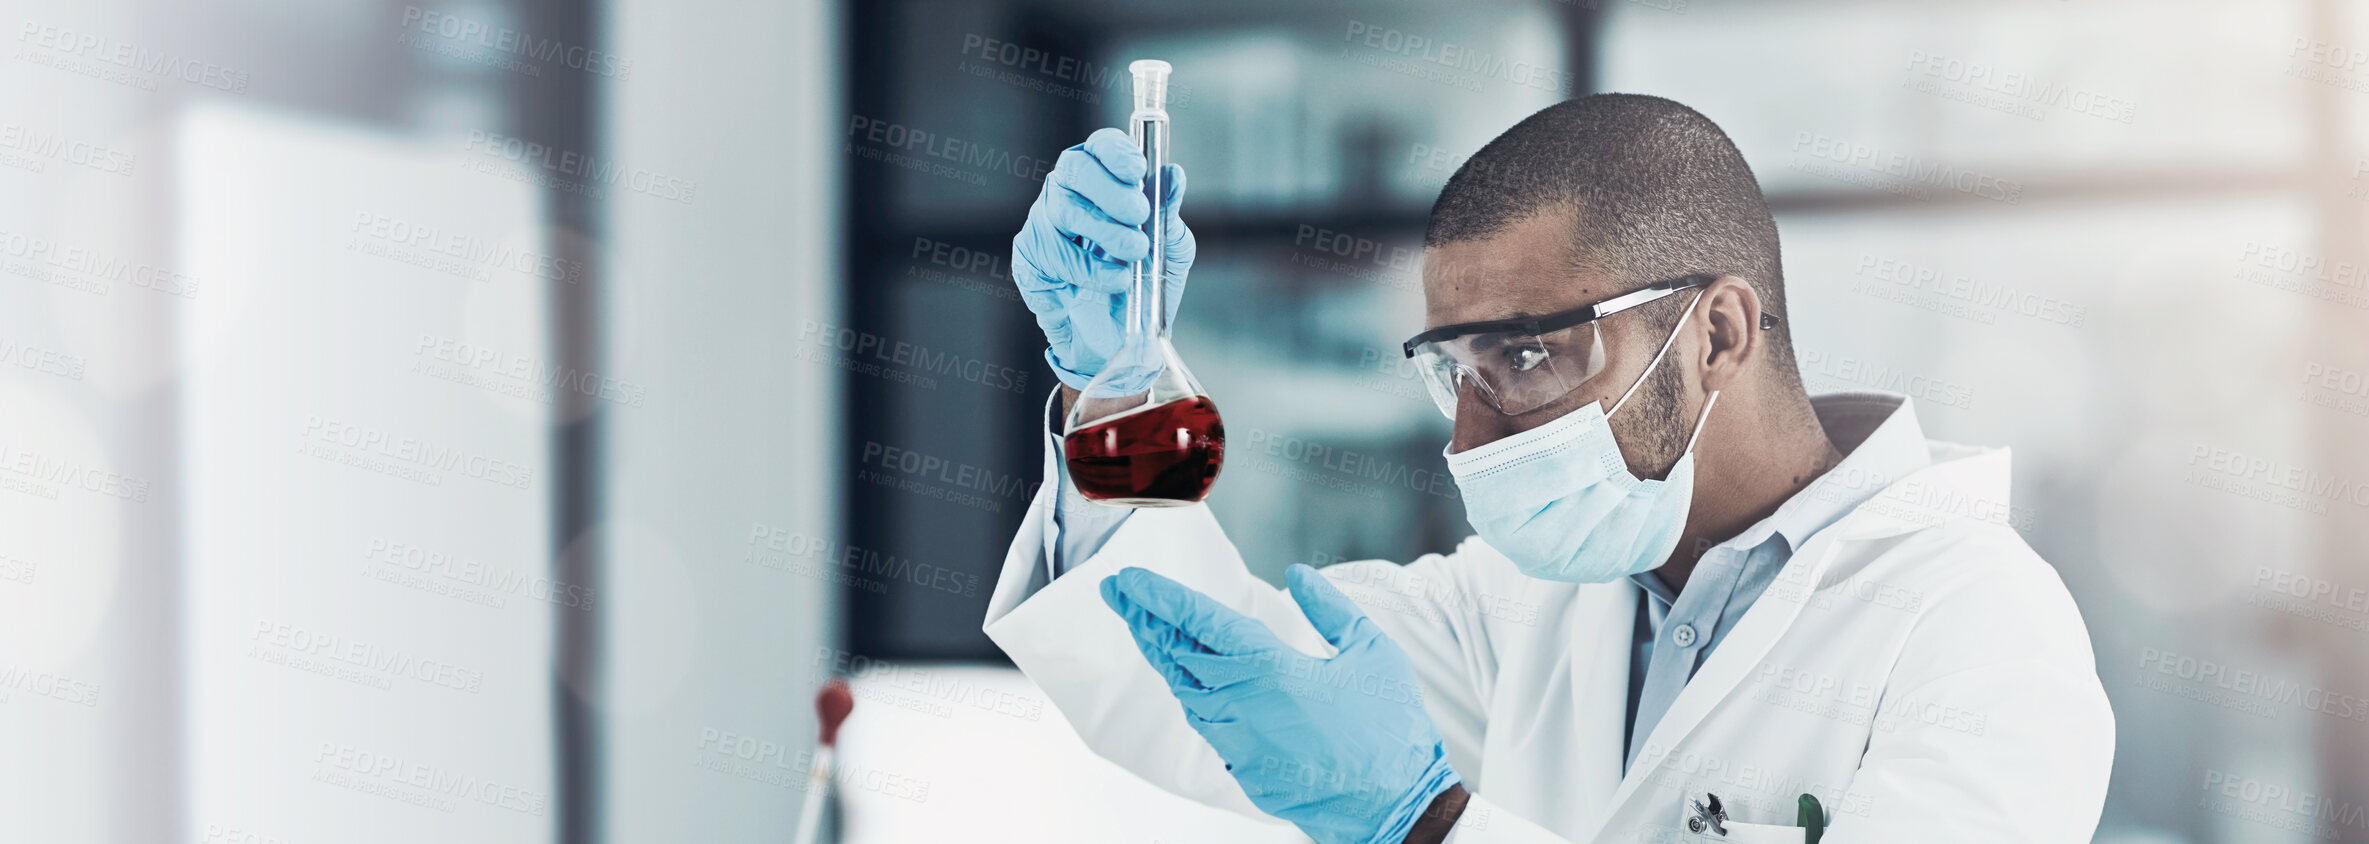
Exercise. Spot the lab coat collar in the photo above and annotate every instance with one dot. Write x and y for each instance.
(1917, 482)
(1963, 481)
(1881, 442)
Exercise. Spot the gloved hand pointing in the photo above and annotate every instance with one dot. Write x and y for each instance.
(1071, 260)
(1340, 747)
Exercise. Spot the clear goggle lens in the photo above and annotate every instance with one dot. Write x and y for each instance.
(1512, 373)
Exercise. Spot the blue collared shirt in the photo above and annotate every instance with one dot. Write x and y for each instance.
(1677, 630)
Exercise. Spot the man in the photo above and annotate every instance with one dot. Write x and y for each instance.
(1698, 600)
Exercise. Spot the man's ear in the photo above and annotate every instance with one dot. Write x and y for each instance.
(1732, 309)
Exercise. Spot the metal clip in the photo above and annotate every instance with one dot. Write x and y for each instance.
(1711, 817)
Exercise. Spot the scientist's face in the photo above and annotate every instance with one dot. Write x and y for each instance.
(1529, 269)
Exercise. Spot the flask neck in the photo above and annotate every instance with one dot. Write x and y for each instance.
(1147, 312)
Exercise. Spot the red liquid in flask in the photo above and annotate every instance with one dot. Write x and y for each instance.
(1164, 455)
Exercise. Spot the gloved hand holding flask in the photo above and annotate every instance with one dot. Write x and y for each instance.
(1072, 260)
(1139, 432)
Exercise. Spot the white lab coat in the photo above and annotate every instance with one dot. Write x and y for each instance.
(1915, 666)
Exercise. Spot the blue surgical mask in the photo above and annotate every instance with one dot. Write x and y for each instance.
(1561, 503)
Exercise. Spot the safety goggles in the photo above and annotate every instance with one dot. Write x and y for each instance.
(1520, 365)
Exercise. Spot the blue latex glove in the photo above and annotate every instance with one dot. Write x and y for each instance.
(1340, 747)
(1071, 259)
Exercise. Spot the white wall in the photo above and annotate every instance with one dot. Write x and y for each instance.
(368, 609)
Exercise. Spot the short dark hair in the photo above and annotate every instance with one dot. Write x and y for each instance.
(1659, 191)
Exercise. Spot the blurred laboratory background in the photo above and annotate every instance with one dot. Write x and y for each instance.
(494, 420)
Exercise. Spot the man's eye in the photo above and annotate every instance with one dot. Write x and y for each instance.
(1526, 358)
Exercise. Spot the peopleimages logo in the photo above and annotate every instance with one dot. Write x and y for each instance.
(479, 583)
(88, 268)
(408, 457)
(2296, 803)
(2015, 92)
(522, 375)
(2217, 462)
(2252, 686)
(280, 642)
(27, 148)
(15, 678)
(929, 467)
(1460, 57)
(864, 351)
(1970, 296)
(499, 254)
(1344, 469)
(342, 763)
(898, 138)
(854, 565)
(577, 169)
(502, 39)
(1088, 77)
(45, 475)
(1905, 170)
(132, 58)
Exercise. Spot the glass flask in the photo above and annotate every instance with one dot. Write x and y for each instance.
(1142, 433)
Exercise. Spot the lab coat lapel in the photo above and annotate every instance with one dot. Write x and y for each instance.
(1599, 669)
(1754, 635)
(1971, 483)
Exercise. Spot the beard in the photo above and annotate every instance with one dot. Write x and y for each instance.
(1662, 424)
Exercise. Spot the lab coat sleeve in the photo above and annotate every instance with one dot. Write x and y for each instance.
(1066, 640)
(1077, 527)
(1993, 727)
